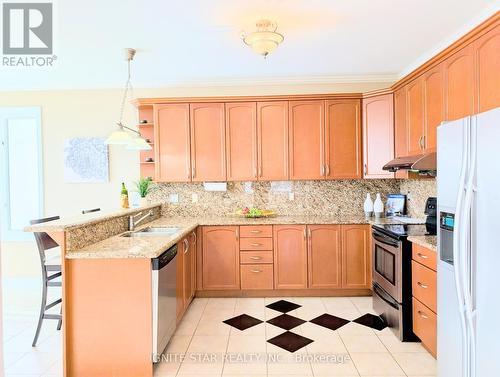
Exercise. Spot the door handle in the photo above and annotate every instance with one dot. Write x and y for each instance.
(422, 314)
(422, 285)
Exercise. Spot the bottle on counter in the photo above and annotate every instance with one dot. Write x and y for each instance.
(368, 206)
(124, 196)
(378, 207)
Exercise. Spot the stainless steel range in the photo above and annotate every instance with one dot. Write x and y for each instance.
(392, 296)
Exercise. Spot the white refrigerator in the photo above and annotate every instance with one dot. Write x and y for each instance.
(468, 184)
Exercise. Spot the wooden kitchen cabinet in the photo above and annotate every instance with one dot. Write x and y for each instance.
(290, 256)
(356, 256)
(306, 139)
(208, 144)
(191, 268)
(324, 256)
(378, 135)
(487, 53)
(221, 257)
(343, 143)
(186, 273)
(241, 141)
(172, 143)
(180, 283)
(425, 326)
(400, 128)
(459, 84)
(272, 134)
(433, 85)
(415, 111)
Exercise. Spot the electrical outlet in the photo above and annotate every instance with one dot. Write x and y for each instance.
(173, 198)
(194, 198)
(291, 196)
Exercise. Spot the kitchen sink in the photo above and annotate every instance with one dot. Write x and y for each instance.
(153, 231)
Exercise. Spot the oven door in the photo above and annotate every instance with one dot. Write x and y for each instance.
(387, 264)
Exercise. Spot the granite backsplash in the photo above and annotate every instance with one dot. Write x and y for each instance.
(417, 191)
(320, 198)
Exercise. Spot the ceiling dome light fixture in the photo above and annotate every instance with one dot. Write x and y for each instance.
(121, 136)
(265, 40)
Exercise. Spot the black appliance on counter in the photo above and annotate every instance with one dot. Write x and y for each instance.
(391, 250)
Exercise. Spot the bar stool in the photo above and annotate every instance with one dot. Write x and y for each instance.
(90, 210)
(51, 269)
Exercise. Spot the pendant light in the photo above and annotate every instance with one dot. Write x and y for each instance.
(121, 136)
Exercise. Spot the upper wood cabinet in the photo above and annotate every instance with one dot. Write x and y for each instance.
(324, 256)
(487, 51)
(290, 256)
(378, 135)
(400, 128)
(306, 139)
(272, 134)
(208, 145)
(459, 84)
(172, 143)
(241, 141)
(415, 121)
(356, 256)
(433, 105)
(343, 139)
(221, 257)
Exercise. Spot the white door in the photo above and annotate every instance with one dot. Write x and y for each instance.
(21, 195)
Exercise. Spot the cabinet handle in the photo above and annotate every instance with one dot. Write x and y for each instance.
(322, 173)
(421, 142)
(193, 234)
(422, 314)
(255, 172)
(237, 234)
(256, 244)
(422, 285)
(422, 256)
(309, 232)
(186, 245)
(255, 258)
(256, 271)
(260, 170)
(327, 169)
(305, 234)
(193, 170)
(255, 231)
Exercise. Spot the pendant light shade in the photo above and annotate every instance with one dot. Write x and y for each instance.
(119, 137)
(138, 144)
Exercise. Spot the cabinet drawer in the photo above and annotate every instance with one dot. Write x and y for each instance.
(256, 231)
(424, 256)
(425, 325)
(257, 276)
(252, 257)
(424, 285)
(256, 243)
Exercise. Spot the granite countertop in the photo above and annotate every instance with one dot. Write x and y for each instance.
(152, 246)
(430, 242)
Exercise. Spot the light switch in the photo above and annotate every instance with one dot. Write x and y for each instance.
(173, 198)
(194, 198)
(291, 196)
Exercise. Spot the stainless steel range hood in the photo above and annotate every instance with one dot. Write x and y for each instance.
(422, 163)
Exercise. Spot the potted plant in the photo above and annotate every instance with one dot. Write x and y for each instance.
(144, 187)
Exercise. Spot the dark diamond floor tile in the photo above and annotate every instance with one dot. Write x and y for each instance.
(242, 322)
(373, 321)
(329, 321)
(283, 306)
(290, 341)
(286, 321)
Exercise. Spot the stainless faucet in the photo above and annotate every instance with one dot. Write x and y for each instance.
(132, 222)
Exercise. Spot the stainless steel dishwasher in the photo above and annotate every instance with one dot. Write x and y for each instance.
(164, 271)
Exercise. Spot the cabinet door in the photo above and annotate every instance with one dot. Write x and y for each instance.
(434, 106)
(400, 128)
(180, 280)
(173, 159)
(272, 133)
(290, 257)
(241, 141)
(343, 139)
(459, 84)
(324, 256)
(415, 106)
(221, 257)
(487, 51)
(307, 127)
(208, 145)
(187, 262)
(356, 256)
(378, 135)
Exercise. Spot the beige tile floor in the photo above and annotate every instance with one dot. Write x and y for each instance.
(353, 350)
(359, 350)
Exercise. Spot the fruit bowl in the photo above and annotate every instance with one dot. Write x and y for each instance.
(254, 213)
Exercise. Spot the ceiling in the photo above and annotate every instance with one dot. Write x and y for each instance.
(197, 42)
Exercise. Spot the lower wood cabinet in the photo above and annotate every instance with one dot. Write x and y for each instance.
(186, 273)
(221, 257)
(425, 325)
(324, 256)
(356, 256)
(256, 276)
(290, 256)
